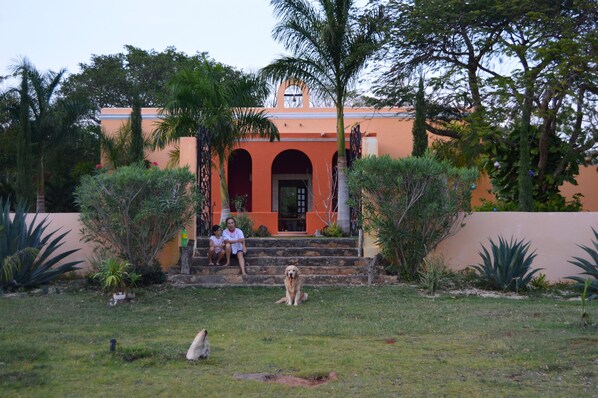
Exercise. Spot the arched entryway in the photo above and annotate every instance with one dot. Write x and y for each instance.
(239, 180)
(291, 190)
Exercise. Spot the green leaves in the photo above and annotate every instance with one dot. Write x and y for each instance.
(27, 257)
(589, 267)
(215, 96)
(330, 43)
(410, 205)
(115, 276)
(135, 211)
(507, 266)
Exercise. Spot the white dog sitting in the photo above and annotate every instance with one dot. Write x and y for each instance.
(200, 348)
(292, 283)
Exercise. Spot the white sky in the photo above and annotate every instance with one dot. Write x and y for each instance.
(56, 34)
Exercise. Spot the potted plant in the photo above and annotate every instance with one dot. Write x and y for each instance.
(115, 277)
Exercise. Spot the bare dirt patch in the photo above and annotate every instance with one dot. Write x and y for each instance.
(291, 381)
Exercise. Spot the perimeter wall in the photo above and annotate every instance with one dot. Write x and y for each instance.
(554, 237)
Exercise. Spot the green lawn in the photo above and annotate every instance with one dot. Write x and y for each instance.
(381, 342)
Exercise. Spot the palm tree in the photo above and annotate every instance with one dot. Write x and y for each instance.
(24, 172)
(45, 120)
(54, 118)
(219, 99)
(118, 148)
(330, 44)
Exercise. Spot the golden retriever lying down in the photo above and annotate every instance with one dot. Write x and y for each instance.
(292, 283)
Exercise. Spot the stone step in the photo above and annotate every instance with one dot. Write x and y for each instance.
(292, 252)
(322, 261)
(276, 280)
(347, 261)
(274, 270)
(291, 242)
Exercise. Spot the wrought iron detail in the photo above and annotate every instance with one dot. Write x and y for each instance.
(203, 173)
(354, 154)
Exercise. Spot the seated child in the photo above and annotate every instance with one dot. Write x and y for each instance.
(216, 246)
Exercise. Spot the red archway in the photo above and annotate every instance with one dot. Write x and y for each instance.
(291, 189)
(239, 178)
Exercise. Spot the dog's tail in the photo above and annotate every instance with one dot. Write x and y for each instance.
(303, 296)
(282, 300)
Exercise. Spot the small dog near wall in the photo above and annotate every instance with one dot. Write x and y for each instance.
(200, 348)
(292, 283)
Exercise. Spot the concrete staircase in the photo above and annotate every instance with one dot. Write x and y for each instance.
(322, 262)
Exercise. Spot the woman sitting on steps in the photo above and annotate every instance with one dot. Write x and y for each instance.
(234, 241)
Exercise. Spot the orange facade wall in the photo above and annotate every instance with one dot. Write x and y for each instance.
(312, 131)
(587, 185)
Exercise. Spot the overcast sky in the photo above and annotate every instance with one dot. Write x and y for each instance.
(56, 34)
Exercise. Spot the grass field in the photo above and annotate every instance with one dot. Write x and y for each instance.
(381, 342)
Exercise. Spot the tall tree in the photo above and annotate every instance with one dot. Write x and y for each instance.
(420, 135)
(9, 138)
(45, 120)
(517, 64)
(137, 154)
(63, 162)
(24, 183)
(331, 44)
(114, 80)
(54, 119)
(220, 99)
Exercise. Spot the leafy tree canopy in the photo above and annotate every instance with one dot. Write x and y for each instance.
(498, 66)
(115, 80)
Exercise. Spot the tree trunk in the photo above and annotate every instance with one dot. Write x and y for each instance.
(420, 135)
(24, 181)
(526, 202)
(225, 212)
(137, 154)
(40, 204)
(343, 217)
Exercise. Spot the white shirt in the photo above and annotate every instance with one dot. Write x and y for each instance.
(218, 242)
(235, 235)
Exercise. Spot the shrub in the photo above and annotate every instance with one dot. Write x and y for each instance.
(488, 205)
(26, 258)
(433, 273)
(333, 231)
(540, 282)
(115, 275)
(589, 267)
(555, 203)
(462, 279)
(262, 232)
(240, 203)
(134, 211)
(508, 267)
(244, 223)
(410, 205)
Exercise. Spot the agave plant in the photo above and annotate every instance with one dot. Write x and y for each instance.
(589, 267)
(509, 265)
(27, 252)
